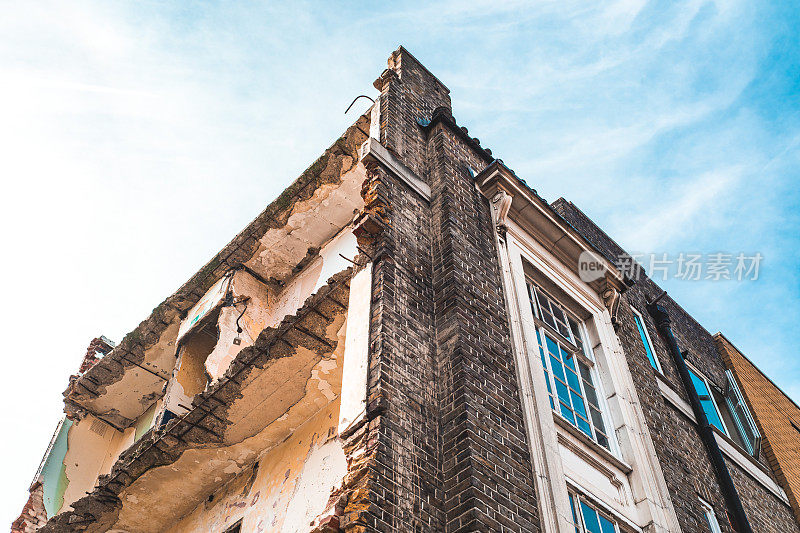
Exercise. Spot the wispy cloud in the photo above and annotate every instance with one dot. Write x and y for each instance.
(138, 137)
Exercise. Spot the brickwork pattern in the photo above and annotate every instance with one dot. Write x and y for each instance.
(450, 451)
(687, 469)
(778, 419)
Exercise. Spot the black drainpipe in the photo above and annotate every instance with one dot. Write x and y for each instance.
(734, 504)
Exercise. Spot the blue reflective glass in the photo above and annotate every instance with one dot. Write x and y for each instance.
(566, 412)
(563, 392)
(699, 385)
(558, 370)
(577, 404)
(584, 426)
(590, 519)
(607, 526)
(706, 401)
(551, 345)
(647, 348)
(572, 380)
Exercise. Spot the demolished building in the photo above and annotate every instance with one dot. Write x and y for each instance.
(402, 342)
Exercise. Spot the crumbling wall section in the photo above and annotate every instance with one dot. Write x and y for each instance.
(286, 490)
(327, 172)
(209, 425)
(33, 515)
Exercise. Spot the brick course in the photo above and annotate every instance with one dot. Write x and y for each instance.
(451, 451)
(777, 417)
(687, 469)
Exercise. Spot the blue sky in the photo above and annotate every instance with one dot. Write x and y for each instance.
(139, 137)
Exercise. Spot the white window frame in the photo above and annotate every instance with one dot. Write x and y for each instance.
(575, 500)
(583, 354)
(754, 448)
(711, 516)
(648, 340)
(711, 395)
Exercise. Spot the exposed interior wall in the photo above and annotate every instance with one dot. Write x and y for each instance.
(190, 377)
(290, 375)
(52, 475)
(299, 378)
(93, 447)
(250, 311)
(290, 486)
(145, 422)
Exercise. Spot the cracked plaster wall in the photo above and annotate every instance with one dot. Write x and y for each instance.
(92, 448)
(291, 486)
(274, 406)
(266, 307)
(310, 212)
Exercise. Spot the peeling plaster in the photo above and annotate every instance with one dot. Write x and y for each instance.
(92, 447)
(310, 384)
(281, 249)
(291, 486)
(330, 183)
(251, 431)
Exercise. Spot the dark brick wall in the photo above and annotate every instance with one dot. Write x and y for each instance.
(487, 473)
(451, 453)
(687, 469)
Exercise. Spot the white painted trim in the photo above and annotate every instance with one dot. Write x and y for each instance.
(711, 516)
(551, 266)
(649, 490)
(648, 340)
(548, 474)
(353, 405)
(731, 451)
(373, 150)
(577, 489)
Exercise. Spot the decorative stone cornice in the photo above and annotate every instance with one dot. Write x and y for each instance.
(512, 200)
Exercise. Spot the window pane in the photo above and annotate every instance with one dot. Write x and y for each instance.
(576, 332)
(548, 318)
(607, 526)
(711, 414)
(566, 412)
(574, 516)
(706, 401)
(558, 314)
(558, 370)
(577, 404)
(699, 385)
(563, 393)
(584, 426)
(572, 380)
(591, 394)
(743, 421)
(597, 419)
(647, 347)
(590, 519)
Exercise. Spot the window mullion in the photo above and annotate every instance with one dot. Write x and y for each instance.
(586, 407)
